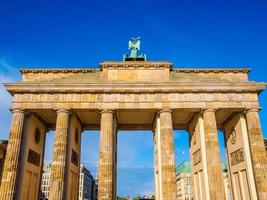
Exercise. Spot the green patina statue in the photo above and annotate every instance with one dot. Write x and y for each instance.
(134, 45)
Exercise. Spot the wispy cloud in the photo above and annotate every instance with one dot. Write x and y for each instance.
(6, 66)
(7, 69)
(7, 74)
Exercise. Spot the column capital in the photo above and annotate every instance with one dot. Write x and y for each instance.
(107, 111)
(17, 110)
(165, 110)
(203, 110)
(248, 110)
(63, 111)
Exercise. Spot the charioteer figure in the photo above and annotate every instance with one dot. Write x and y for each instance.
(134, 45)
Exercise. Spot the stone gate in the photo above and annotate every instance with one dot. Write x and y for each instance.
(136, 95)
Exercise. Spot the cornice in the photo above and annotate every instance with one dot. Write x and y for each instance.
(135, 65)
(250, 87)
(58, 70)
(213, 70)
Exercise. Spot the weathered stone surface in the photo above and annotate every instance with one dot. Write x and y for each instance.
(31, 160)
(239, 158)
(10, 173)
(106, 171)
(58, 168)
(199, 172)
(73, 158)
(136, 91)
(132, 97)
(134, 71)
(165, 165)
(214, 168)
(258, 153)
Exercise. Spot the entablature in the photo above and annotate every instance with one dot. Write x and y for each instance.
(107, 87)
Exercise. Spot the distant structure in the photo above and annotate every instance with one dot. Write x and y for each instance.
(184, 182)
(86, 184)
(134, 45)
(96, 188)
(45, 188)
(3, 147)
(147, 197)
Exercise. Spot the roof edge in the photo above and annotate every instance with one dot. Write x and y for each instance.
(57, 70)
(90, 70)
(215, 70)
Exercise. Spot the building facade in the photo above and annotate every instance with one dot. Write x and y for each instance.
(184, 182)
(86, 183)
(45, 183)
(3, 147)
(136, 95)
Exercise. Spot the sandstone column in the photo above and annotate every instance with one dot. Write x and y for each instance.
(258, 153)
(106, 171)
(58, 168)
(166, 159)
(10, 173)
(214, 167)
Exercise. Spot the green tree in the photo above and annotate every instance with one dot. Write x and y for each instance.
(137, 198)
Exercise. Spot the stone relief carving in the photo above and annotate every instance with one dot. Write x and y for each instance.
(34, 157)
(237, 156)
(233, 136)
(194, 140)
(143, 97)
(196, 157)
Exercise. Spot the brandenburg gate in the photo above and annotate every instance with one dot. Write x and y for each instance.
(136, 95)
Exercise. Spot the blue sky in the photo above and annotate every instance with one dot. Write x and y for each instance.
(189, 33)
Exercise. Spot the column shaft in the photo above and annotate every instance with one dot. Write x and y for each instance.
(167, 163)
(58, 168)
(10, 173)
(214, 167)
(106, 172)
(258, 153)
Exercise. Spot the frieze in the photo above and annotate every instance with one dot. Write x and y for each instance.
(122, 97)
